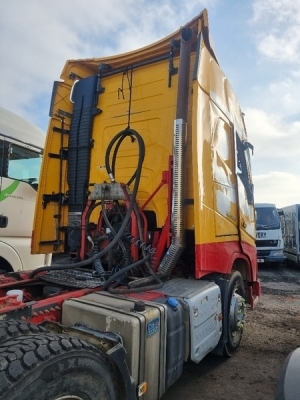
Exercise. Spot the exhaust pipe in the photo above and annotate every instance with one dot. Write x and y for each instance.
(180, 130)
(184, 73)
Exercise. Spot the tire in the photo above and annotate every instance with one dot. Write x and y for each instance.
(288, 386)
(53, 367)
(12, 328)
(235, 313)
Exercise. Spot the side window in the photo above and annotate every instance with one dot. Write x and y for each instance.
(3, 157)
(24, 164)
(244, 167)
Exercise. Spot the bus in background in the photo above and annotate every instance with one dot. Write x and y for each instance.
(269, 242)
(21, 147)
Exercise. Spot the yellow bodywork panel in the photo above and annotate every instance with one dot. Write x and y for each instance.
(139, 90)
(152, 114)
(49, 216)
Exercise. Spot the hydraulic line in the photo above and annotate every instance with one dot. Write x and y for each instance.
(134, 290)
(88, 214)
(125, 269)
(137, 176)
(97, 264)
(111, 171)
(121, 244)
(119, 139)
(142, 284)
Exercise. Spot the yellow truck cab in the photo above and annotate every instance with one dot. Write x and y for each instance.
(146, 192)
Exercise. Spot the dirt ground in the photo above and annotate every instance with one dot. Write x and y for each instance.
(272, 331)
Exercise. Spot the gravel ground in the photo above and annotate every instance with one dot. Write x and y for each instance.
(272, 331)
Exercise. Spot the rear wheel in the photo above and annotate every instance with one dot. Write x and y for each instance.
(54, 367)
(236, 311)
(13, 328)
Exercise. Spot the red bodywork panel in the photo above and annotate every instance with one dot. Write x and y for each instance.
(220, 258)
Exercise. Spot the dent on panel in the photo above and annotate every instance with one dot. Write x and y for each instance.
(223, 153)
(223, 175)
(247, 211)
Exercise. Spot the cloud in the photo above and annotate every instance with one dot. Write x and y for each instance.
(275, 30)
(276, 157)
(273, 121)
(37, 37)
(277, 187)
(276, 26)
(276, 143)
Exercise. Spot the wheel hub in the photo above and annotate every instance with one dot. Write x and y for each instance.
(237, 313)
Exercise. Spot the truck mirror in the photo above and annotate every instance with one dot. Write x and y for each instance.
(248, 145)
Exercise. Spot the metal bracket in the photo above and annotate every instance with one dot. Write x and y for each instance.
(100, 89)
(62, 156)
(64, 113)
(59, 198)
(55, 243)
(107, 191)
(59, 130)
(74, 76)
(172, 69)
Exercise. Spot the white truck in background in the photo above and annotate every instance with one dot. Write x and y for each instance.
(21, 148)
(269, 241)
(290, 225)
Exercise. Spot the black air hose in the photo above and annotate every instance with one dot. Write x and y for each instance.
(91, 209)
(121, 244)
(137, 175)
(123, 270)
(146, 257)
(119, 139)
(97, 263)
(150, 285)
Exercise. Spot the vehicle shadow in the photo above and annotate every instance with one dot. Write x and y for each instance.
(206, 371)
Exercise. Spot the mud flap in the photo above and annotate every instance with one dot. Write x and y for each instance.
(117, 354)
(223, 285)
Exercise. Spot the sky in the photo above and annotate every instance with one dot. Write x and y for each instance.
(257, 43)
